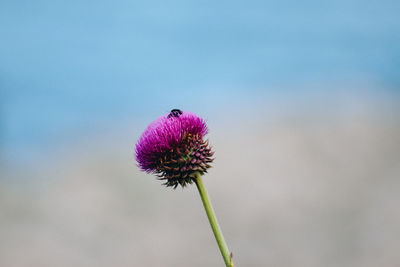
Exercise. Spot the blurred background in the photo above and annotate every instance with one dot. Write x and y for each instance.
(301, 98)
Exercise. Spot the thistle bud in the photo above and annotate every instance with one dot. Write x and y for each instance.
(173, 148)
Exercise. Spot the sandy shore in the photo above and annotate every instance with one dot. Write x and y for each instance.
(297, 191)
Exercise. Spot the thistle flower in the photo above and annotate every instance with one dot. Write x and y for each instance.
(173, 148)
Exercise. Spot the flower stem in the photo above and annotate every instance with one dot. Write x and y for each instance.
(213, 221)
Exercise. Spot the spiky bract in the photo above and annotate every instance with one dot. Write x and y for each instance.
(173, 148)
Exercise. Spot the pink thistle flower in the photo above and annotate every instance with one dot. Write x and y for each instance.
(173, 148)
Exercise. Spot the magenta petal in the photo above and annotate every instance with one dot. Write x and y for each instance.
(164, 135)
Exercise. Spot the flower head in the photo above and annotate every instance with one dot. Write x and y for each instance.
(173, 148)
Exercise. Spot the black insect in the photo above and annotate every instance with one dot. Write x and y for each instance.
(174, 113)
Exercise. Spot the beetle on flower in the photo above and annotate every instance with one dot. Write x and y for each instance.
(173, 148)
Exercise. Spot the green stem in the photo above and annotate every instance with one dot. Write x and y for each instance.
(213, 221)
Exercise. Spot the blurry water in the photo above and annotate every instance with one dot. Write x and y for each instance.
(71, 67)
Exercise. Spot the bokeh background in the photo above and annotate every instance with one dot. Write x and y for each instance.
(301, 98)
